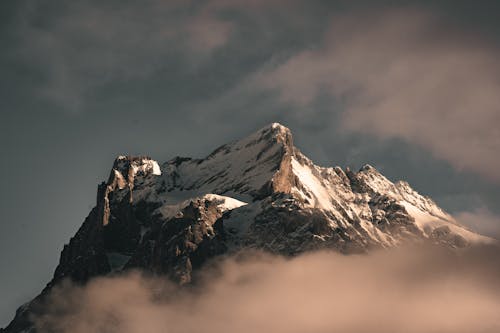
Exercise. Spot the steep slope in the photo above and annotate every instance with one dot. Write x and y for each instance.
(260, 192)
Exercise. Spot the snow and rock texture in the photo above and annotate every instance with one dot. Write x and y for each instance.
(257, 193)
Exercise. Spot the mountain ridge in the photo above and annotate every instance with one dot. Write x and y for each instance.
(259, 192)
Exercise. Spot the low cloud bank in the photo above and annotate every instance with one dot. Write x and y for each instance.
(411, 290)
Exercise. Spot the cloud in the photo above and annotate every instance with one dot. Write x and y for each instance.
(80, 46)
(207, 33)
(77, 48)
(412, 290)
(481, 220)
(403, 73)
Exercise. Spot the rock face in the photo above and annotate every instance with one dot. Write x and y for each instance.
(260, 192)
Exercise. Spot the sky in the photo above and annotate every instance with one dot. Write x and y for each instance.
(411, 88)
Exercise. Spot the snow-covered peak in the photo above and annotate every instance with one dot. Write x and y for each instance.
(127, 168)
(136, 165)
(265, 163)
(279, 128)
(368, 168)
(259, 192)
(247, 166)
(274, 133)
(374, 180)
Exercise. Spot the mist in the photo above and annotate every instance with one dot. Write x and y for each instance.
(404, 290)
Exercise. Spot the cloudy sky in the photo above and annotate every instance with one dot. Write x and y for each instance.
(412, 89)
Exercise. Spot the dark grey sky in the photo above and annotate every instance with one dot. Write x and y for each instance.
(412, 89)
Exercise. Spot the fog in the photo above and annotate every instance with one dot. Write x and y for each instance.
(405, 290)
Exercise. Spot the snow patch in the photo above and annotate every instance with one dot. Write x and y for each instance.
(427, 223)
(313, 185)
(223, 204)
(146, 166)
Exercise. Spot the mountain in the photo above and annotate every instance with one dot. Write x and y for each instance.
(261, 193)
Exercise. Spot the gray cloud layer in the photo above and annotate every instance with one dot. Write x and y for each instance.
(86, 45)
(409, 290)
(400, 73)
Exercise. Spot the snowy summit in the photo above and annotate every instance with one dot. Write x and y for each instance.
(259, 192)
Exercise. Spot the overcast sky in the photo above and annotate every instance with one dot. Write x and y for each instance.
(412, 89)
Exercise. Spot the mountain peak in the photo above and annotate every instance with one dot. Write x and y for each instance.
(273, 133)
(256, 165)
(125, 169)
(136, 164)
(256, 193)
(368, 167)
(277, 127)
